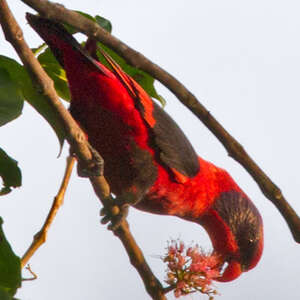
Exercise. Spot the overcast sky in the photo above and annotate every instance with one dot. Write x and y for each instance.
(242, 60)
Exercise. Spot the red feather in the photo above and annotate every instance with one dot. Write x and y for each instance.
(147, 155)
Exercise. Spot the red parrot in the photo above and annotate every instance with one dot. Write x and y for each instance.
(148, 159)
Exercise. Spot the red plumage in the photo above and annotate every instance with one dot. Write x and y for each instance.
(148, 160)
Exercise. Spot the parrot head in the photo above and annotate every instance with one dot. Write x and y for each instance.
(236, 231)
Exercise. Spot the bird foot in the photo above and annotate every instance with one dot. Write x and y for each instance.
(94, 167)
(116, 215)
(118, 212)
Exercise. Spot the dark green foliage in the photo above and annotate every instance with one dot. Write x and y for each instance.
(4, 295)
(10, 268)
(56, 73)
(104, 23)
(26, 90)
(9, 172)
(11, 102)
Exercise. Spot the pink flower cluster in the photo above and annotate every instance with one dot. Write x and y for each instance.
(191, 270)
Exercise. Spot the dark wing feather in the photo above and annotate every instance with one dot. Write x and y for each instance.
(173, 148)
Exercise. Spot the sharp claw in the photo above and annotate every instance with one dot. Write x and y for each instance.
(118, 212)
(116, 216)
(103, 212)
(105, 220)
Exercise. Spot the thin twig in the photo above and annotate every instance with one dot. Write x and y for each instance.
(235, 150)
(41, 236)
(77, 141)
(34, 276)
(169, 288)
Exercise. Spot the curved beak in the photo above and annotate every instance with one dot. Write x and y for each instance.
(247, 261)
(232, 271)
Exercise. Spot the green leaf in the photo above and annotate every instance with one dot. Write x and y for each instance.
(19, 75)
(10, 266)
(162, 101)
(39, 49)
(4, 295)
(56, 73)
(104, 23)
(11, 102)
(9, 172)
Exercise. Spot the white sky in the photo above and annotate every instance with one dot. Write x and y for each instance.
(242, 60)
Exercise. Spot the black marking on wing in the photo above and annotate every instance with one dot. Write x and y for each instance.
(244, 220)
(175, 149)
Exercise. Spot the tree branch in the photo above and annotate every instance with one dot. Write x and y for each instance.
(76, 139)
(40, 238)
(58, 13)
